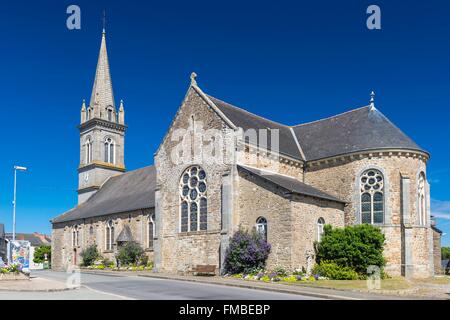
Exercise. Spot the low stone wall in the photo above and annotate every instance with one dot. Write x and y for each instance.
(13, 276)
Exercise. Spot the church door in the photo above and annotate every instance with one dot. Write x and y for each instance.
(74, 257)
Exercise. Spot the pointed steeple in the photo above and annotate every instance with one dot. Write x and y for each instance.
(102, 91)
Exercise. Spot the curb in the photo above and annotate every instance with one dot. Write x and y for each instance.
(381, 294)
(39, 290)
(229, 284)
(249, 286)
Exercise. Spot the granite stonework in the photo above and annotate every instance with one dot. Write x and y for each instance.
(340, 177)
(92, 231)
(181, 251)
(292, 219)
(203, 135)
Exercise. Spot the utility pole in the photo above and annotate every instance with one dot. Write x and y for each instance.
(16, 168)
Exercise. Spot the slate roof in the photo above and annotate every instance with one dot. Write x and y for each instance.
(246, 120)
(35, 240)
(126, 192)
(360, 129)
(357, 130)
(290, 184)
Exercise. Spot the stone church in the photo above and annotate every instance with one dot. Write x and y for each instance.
(220, 167)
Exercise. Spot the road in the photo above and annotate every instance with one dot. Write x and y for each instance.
(96, 286)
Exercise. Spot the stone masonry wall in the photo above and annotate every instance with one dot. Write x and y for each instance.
(291, 221)
(258, 198)
(437, 252)
(306, 212)
(63, 252)
(180, 252)
(340, 177)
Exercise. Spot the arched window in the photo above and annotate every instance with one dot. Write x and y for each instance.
(89, 113)
(421, 193)
(109, 150)
(88, 146)
(372, 197)
(193, 200)
(75, 236)
(151, 230)
(261, 226)
(109, 235)
(320, 225)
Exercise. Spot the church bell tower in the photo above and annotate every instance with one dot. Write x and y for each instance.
(102, 132)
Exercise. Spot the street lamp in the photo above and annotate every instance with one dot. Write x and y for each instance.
(16, 168)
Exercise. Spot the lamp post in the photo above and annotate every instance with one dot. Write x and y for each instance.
(16, 168)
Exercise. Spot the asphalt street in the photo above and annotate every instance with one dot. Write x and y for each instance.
(102, 287)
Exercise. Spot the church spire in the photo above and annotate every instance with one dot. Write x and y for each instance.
(102, 92)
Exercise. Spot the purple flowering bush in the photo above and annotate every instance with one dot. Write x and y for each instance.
(247, 252)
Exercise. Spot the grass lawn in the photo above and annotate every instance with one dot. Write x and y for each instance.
(439, 280)
(387, 284)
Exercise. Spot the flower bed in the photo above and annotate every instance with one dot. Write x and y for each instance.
(12, 272)
(278, 275)
(113, 267)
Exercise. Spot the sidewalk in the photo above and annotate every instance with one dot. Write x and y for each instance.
(34, 284)
(326, 293)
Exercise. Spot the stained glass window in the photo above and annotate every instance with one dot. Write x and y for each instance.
(372, 197)
(193, 200)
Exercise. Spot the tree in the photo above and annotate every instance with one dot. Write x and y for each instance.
(40, 252)
(445, 251)
(247, 252)
(356, 247)
(89, 255)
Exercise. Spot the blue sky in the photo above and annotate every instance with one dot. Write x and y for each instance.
(292, 62)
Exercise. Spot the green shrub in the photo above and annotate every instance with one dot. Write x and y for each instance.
(130, 253)
(13, 268)
(335, 272)
(246, 253)
(89, 255)
(445, 252)
(355, 247)
(40, 252)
